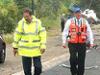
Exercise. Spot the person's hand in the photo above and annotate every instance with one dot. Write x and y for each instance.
(64, 45)
(42, 51)
(91, 45)
(15, 51)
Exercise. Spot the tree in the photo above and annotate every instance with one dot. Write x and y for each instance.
(21, 4)
(8, 16)
(92, 4)
(48, 8)
(96, 6)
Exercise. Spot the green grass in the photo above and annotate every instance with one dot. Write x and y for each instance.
(50, 23)
(52, 26)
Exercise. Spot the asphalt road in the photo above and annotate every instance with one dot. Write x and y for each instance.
(13, 64)
(92, 59)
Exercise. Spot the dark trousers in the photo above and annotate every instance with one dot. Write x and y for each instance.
(27, 64)
(77, 58)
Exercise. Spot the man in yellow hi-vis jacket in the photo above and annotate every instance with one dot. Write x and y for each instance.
(30, 42)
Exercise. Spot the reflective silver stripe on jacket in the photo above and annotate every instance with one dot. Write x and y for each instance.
(42, 30)
(19, 32)
(30, 33)
(23, 27)
(15, 42)
(29, 47)
(36, 28)
(23, 41)
(28, 41)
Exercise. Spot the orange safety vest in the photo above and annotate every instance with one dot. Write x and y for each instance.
(77, 34)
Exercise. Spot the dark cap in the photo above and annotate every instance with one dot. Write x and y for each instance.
(76, 9)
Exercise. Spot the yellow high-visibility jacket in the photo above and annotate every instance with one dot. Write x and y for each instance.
(29, 38)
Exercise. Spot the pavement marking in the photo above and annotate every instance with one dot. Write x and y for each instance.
(87, 67)
(49, 64)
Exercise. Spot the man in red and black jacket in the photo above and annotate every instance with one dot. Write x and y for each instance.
(77, 32)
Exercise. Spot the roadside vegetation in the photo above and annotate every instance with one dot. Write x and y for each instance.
(49, 11)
